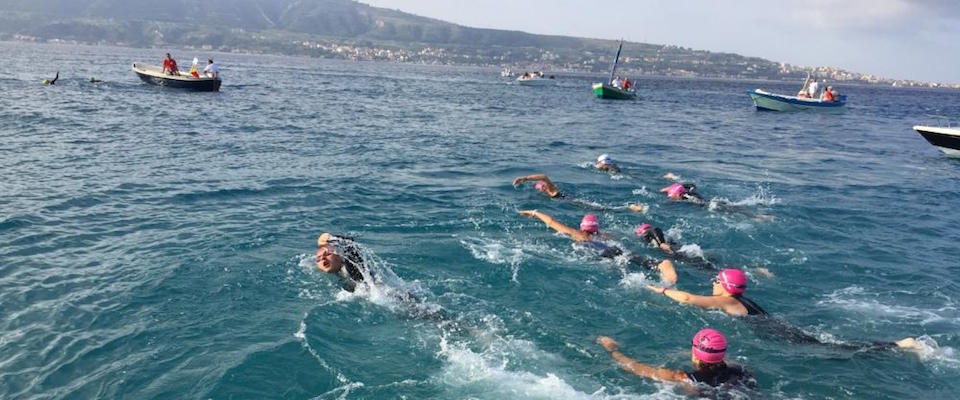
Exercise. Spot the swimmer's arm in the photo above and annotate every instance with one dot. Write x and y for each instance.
(668, 273)
(555, 225)
(640, 369)
(686, 298)
(671, 176)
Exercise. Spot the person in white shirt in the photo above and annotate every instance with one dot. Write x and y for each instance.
(211, 70)
(813, 89)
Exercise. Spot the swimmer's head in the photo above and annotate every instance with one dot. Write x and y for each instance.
(732, 281)
(674, 191)
(589, 224)
(709, 347)
(329, 253)
(643, 229)
(604, 159)
(541, 186)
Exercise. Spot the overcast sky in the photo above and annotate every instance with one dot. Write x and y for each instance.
(903, 39)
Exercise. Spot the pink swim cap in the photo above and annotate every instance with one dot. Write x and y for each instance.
(540, 186)
(709, 346)
(643, 229)
(589, 224)
(675, 190)
(734, 281)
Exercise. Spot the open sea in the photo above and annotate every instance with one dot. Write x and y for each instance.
(159, 244)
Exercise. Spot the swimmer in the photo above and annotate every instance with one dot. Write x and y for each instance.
(707, 356)
(340, 255)
(94, 79)
(589, 235)
(654, 236)
(605, 163)
(547, 187)
(544, 185)
(53, 81)
(728, 288)
(684, 192)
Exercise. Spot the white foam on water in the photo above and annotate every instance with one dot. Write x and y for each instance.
(487, 374)
(496, 252)
(691, 250)
(930, 351)
(634, 280)
(855, 298)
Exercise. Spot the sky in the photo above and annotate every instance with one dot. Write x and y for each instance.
(898, 39)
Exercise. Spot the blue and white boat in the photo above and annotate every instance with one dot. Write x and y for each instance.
(766, 101)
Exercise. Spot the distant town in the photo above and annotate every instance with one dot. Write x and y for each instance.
(637, 59)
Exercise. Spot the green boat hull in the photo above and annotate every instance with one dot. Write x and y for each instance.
(605, 91)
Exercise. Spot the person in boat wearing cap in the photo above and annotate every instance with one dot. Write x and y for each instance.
(590, 231)
(546, 186)
(605, 163)
(728, 288)
(338, 254)
(707, 355)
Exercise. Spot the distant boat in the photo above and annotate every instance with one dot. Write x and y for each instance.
(154, 75)
(535, 79)
(606, 90)
(766, 101)
(945, 139)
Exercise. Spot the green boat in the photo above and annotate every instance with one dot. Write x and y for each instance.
(605, 90)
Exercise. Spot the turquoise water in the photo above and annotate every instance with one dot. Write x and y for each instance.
(159, 244)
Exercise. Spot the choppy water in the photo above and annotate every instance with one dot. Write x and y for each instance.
(158, 244)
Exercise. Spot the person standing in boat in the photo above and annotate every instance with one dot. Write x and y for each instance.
(813, 90)
(211, 70)
(170, 66)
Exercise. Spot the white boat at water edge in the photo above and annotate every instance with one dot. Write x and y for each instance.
(945, 139)
(535, 79)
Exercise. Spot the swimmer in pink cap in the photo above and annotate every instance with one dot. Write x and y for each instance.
(728, 288)
(589, 225)
(543, 184)
(683, 192)
(546, 186)
(706, 354)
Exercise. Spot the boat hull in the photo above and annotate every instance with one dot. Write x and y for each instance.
(765, 101)
(605, 91)
(535, 82)
(155, 76)
(945, 139)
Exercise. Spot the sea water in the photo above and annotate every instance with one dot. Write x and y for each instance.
(156, 243)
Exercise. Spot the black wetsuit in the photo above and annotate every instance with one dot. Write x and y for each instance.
(607, 251)
(724, 375)
(752, 308)
(655, 237)
(690, 194)
(766, 325)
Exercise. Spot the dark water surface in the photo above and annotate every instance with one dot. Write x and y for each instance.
(159, 243)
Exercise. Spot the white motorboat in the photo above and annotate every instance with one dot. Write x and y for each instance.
(945, 139)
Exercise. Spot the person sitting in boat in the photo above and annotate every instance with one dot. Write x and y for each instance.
(170, 66)
(707, 355)
(211, 70)
(828, 95)
(616, 82)
(626, 84)
(605, 163)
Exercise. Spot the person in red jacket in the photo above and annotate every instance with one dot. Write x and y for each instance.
(170, 65)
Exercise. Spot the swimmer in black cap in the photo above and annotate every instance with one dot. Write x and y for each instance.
(52, 81)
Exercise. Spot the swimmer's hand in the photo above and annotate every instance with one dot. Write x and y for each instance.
(519, 180)
(671, 176)
(666, 248)
(608, 343)
(640, 208)
(763, 271)
(528, 213)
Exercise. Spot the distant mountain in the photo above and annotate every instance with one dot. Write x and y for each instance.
(352, 30)
(333, 18)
